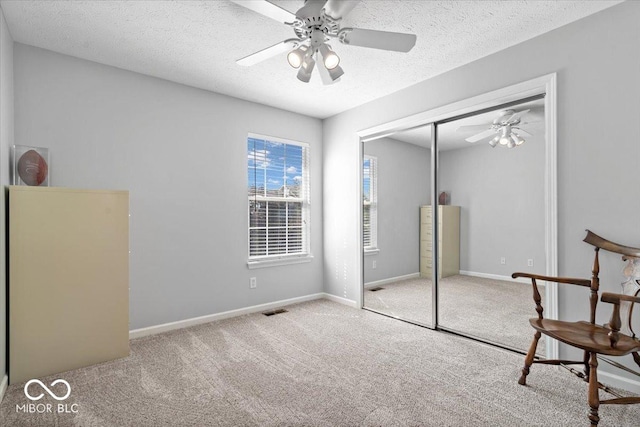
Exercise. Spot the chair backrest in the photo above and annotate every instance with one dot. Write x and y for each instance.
(631, 286)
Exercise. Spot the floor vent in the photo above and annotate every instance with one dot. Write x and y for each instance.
(278, 311)
(377, 288)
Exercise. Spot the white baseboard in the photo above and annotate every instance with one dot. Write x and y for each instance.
(496, 277)
(340, 300)
(617, 381)
(165, 327)
(391, 280)
(3, 386)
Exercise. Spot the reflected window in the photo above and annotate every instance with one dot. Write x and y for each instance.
(370, 202)
(278, 190)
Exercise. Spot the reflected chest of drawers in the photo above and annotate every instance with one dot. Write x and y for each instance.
(448, 241)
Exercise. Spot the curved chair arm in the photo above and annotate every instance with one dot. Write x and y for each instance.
(615, 323)
(536, 293)
(617, 298)
(567, 280)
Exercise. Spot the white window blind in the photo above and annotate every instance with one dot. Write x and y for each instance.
(370, 202)
(278, 190)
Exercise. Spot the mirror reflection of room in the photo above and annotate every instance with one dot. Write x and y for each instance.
(396, 183)
(491, 171)
(490, 200)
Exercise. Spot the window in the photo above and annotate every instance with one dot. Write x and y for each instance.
(370, 203)
(278, 190)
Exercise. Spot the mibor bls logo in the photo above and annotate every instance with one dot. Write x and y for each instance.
(40, 408)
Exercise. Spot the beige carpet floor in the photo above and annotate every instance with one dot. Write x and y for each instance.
(319, 364)
(494, 310)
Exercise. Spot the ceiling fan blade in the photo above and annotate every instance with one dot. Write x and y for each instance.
(516, 116)
(267, 9)
(330, 77)
(338, 9)
(324, 75)
(385, 40)
(481, 135)
(472, 128)
(521, 131)
(267, 53)
(322, 70)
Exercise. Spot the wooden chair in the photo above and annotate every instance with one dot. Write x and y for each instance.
(613, 339)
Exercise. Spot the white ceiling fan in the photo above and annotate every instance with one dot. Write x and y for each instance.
(506, 129)
(315, 24)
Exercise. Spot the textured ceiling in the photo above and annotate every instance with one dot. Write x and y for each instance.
(197, 42)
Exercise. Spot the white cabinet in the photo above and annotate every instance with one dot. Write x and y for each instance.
(68, 279)
(448, 242)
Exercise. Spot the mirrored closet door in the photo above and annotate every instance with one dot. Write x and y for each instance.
(491, 174)
(396, 186)
(450, 267)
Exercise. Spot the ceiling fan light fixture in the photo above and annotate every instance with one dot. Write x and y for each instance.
(503, 132)
(505, 138)
(308, 63)
(516, 139)
(336, 73)
(304, 75)
(296, 56)
(314, 24)
(330, 58)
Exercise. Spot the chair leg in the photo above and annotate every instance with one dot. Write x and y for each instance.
(586, 366)
(528, 361)
(594, 399)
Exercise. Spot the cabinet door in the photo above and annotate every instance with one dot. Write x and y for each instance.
(69, 279)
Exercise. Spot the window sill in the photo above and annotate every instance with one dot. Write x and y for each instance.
(372, 251)
(274, 262)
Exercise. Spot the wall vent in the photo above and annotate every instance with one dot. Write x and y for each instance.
(272, 312)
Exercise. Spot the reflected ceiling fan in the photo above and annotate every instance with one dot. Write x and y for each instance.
(315, 24)
(506, 130)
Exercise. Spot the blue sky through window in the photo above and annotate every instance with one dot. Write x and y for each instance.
(274, 168)
(366, 180)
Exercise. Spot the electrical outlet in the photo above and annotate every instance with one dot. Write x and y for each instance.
(374, 264)
(253, 283)
(530, 262)
(503, 260)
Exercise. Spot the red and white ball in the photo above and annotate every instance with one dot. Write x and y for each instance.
(32, 168)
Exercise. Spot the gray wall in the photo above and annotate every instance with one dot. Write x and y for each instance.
(182, 154)
(6, 141)
(404, 172)
(598, 149)
(500, 192)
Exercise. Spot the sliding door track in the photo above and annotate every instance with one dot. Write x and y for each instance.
(452, 332)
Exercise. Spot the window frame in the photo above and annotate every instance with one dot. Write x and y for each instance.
(256, 261)
(372, 248)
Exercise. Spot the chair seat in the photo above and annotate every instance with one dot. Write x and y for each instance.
(586, 336)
